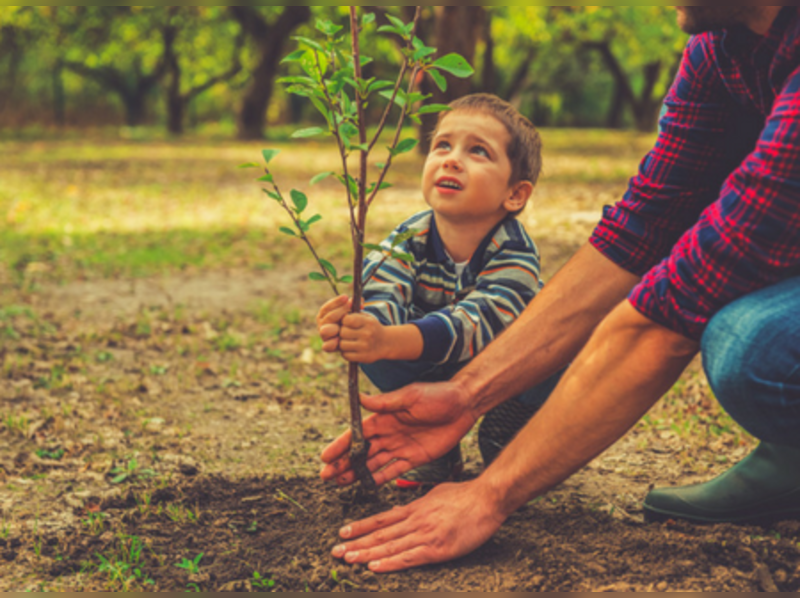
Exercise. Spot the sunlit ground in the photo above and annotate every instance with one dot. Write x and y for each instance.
(114, 208)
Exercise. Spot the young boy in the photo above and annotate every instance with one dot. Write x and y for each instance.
(474, 268)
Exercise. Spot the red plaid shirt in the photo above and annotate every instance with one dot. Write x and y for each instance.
(714, 213)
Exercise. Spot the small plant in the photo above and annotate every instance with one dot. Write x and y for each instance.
(282, 496)
(130, 473)
(181, 514)
(342, 582)
(17, 424)
(95, 522)
(334, 83)
(192, 566)
(123, 566)
(55, 455)
(262, 583)
(103, 356)
(158, 370)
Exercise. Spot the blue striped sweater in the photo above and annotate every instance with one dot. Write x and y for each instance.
(457, 317)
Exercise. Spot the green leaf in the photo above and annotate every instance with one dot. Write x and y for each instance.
(250, 165)
(310, 66)
(439, 79)
(297, 81)
(313, 219)
(120, 478)
(348, 130)
(400, 98)
(404, 257)
(454, 64)
(328, 266)
(287, 231)
(433, 108)
(362, 146)
(378, 85)
(321, 177)
(267, 178)
(367, 19)
(309, 42)
(309, 132)
(380, 165)
(390, 29)
(299, 200)
(346, 279)
(399, 23)
(422, 52)
(403, 237)
(328, 28)
(372, 247)
(294, 56)
(273, 195)
(404, 146)
(316, 276)
(269, 154)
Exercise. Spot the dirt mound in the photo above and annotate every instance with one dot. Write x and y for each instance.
(276, 534)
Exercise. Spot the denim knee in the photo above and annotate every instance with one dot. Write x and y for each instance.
(752, 361)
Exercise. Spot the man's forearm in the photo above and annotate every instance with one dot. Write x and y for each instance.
(628, 364)
(549, 333)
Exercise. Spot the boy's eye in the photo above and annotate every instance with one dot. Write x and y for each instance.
(442, 145)
(481, 151)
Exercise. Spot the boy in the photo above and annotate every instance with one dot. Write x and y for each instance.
(474, 268)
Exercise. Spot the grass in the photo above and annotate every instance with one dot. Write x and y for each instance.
(115, 208)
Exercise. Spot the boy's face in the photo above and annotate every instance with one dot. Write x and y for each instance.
(466, 175)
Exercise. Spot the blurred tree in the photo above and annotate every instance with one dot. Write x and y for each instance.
(269, 29)
(121, 48)
(197, 36)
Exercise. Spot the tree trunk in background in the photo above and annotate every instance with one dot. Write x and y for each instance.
(457, 29)
(489, 74)
(59, 98)
(269, 39)
(645, 108)
(175, 103)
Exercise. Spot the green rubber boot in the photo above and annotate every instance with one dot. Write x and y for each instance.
(763, 487)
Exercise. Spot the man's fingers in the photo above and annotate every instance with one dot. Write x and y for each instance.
(357, 529)
(413, 557)
(337, 449)
(392, 471)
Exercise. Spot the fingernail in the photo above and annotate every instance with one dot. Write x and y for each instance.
(342, 481)
(351, 557)
(346, 531)
(374, 565)
(338, 551)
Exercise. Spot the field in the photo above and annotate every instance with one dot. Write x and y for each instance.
(164, 398)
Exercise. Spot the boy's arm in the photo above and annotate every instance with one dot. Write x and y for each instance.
(363, 339)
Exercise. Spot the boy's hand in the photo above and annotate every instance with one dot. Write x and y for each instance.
(329, 321)
(363, 339)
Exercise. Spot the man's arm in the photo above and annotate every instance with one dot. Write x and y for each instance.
(422, 422)
(627, 365)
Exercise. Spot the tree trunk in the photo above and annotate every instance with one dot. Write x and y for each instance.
(615, 111)
(457, 29)
(175, 103)
(489, 74)
(59, 98)
(269, 40)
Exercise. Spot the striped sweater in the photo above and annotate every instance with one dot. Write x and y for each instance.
(457, 316)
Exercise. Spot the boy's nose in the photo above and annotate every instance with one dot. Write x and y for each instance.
(452, 164)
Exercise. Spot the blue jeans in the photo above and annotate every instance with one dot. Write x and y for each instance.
(391, 375)
(751, 355)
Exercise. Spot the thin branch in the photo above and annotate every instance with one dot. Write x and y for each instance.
(403, 69)
(303, 235)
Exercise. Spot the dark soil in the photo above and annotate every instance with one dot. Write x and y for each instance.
(283, 530)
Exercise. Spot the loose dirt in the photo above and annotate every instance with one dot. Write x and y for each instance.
(163, 435)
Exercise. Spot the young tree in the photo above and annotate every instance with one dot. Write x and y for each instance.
(335, 84)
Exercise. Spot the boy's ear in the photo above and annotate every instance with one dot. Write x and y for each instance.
(520, 194)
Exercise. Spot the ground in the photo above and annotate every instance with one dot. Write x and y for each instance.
(164, 398)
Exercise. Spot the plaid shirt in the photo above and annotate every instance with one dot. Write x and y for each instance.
(714, 213)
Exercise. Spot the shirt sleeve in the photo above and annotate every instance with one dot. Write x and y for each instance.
(388, 284)
(682, 174)
(749, 238)
(502, 291)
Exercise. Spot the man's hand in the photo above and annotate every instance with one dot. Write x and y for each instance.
(363, 339)
(410, 427)
(329, 322)
(450, 521)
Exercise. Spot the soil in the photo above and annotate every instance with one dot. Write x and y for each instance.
(218, 443)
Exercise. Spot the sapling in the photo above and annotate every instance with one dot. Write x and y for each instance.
(334, 83)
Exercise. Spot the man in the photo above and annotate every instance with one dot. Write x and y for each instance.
(702, 254)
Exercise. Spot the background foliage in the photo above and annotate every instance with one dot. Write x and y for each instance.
(213, 67)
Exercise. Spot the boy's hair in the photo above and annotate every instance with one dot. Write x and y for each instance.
(525, 147)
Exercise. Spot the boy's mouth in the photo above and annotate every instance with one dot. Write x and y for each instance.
(449, 183)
